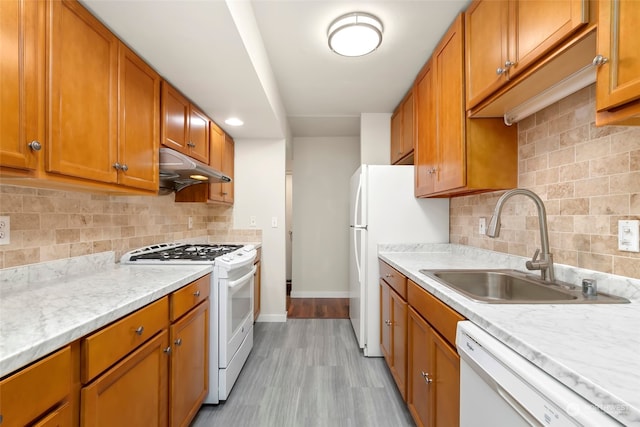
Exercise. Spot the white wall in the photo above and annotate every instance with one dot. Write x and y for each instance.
(322, 168)
(260, 191)
(375, 137)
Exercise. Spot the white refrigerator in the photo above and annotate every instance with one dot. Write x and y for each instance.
(384, 210)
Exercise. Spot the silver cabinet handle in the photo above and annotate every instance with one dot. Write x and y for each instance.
(196, 294)
(124, 168)
(35, 146)
(117, 166)
(178, 341)
(502, 70)
(140, 330)
(167, 350)
(191, 144)
(426, 377)
(599, 60)
(388, 322)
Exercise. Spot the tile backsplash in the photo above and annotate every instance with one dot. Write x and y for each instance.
(51, 224)
(588, 177)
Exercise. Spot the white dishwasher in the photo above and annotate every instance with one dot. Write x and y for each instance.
(498, 387)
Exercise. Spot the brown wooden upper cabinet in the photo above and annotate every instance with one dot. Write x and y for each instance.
(505, 37)
(456, 155)
(184, 127)
(402, 131)
(618, 77)
(102, 102)
(21, 68)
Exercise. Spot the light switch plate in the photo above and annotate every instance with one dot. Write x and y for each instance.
(482, 225)
(629, 235)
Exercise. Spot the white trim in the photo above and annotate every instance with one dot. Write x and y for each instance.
(267, 318)
(319, 294)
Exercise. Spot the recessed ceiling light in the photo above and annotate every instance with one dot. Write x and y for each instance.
(355, 34)
(234, 121)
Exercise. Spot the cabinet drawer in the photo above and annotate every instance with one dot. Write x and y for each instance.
(437, 313)
(187, 297)
(394, 278)
(105, 347)
(30, 393)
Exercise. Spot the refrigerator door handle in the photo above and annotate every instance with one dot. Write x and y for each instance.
(359, 227)
(357, 255)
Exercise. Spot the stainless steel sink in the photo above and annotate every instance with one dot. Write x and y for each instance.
(515, 287)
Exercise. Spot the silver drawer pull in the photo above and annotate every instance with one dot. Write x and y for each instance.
(196, 294)
(178, 341)
(167, 350)
(35, 146)
(140, 330)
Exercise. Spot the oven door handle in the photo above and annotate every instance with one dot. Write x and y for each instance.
(243, 279)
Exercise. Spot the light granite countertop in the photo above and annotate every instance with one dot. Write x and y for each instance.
(45, 306)
(594, 349)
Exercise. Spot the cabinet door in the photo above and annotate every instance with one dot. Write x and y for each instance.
(59, 417)
(175, 119)
(198, 135)
(425, 149)
(425, 145)
(396, 134)
(21, 82)
(228, 158)
(399, 342)
(407, 124)
(256, 292)
(139, 98)
(215, 160)
(539, 25)
(445, 366)
(486, 35)
(385, 322)
(82, 117)
(448, 62)
(189, 379)
(132, 393)
(618, 80)
(418, 389)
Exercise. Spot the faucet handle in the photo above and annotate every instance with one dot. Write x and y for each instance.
(535, 255)
(533, 263)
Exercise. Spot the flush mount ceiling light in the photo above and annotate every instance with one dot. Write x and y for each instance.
(355, 34)
(234, 121)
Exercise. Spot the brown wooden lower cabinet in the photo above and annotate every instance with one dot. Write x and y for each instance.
(433, 392)
(133, 392)
(40, 392)
(189, 361)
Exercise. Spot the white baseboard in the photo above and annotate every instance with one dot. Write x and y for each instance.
(273, 318)
(319, 294)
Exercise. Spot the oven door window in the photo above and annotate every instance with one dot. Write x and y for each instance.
(240, 304)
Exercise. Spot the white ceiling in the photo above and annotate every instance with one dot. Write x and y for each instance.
(267, 61)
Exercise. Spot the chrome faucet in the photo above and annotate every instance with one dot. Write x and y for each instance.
(545, 262)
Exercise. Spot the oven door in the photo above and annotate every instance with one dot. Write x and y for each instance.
(237, 314)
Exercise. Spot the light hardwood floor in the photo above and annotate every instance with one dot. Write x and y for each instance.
(309, 373)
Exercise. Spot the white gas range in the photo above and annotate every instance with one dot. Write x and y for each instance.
(231, 300)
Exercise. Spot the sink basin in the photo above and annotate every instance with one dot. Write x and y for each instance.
(514, 287)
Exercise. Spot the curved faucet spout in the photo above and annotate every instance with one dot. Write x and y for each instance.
(545, 262)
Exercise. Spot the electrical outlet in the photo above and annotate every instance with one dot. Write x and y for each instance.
(190, 224)
(5, 230)
(252, 221)
(274, 222)
(482, 225)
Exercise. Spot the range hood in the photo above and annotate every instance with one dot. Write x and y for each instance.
(178, 171)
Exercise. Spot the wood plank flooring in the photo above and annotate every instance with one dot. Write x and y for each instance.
(309, 373)
(318, 308)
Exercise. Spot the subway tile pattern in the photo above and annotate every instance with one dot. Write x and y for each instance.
(588, 177)
(52, 224)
